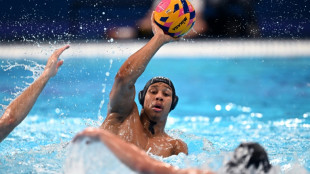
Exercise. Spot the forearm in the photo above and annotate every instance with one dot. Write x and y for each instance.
(138, 160)
(134, 157)
(21, 106)
(135, 65)
(123, 91)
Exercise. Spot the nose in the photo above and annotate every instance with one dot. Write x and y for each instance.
(159, 97)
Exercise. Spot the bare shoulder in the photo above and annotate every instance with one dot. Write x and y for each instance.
(115, 122)
(119, 116)
(180, 147)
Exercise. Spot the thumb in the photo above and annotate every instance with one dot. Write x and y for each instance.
(59, 63)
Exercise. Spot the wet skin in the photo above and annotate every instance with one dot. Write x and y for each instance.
(147, 131)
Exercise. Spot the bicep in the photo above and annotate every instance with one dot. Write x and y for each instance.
(122, 98)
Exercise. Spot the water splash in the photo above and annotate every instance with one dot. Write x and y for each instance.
(99, 115)
(53, 156)
(33, 67)
(91, 156)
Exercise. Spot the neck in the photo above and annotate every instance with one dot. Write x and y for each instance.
(152, 127)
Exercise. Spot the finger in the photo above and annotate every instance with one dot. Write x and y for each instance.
(77, 137)
(59, 63)
(59, 51)
(153, 23)
(90, 129)
(177, 38)
(152, 17)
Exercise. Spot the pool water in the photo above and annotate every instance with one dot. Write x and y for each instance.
(222, 102)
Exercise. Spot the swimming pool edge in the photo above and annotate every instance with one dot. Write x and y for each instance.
(180, 49)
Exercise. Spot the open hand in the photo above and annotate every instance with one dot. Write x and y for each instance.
(53, 63)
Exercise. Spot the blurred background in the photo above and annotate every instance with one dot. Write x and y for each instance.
(73, 20)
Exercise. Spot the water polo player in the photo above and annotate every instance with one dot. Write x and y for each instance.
(158, 98)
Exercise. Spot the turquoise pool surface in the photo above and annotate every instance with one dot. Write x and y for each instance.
(222, 102)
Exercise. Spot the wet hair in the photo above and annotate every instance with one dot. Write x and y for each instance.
(157, 79)
(246, 156)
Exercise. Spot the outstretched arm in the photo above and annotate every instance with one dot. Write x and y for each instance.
(17, 111)
(123, 91)
(135, 158)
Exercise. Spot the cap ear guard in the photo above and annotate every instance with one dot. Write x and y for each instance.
(141, 97)
(174, 102)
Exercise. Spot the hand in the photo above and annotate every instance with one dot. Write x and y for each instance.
(198, 29)
(159, 32)
(93, 133)
(53, 63)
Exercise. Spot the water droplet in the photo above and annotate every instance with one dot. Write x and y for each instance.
(218, 107)
(57, 110)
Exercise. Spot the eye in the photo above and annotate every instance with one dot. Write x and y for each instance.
(167, 94)
(152, 91)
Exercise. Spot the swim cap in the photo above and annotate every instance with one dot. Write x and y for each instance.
(157, 79)
(247, 155)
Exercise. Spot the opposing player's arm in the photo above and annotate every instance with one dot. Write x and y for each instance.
(129, 154)
(19, 108)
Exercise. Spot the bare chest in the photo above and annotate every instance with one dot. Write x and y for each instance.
(132, 132)
(160, 146)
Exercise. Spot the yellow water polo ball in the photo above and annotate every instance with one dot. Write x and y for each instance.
(175, 17)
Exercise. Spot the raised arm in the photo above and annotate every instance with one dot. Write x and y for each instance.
(18, 109)
(123, 91)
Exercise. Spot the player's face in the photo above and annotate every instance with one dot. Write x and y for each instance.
(158, 99)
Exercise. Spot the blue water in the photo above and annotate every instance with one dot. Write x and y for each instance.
(222, 102)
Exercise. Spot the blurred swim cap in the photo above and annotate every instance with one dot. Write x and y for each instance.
(157, 79)
(248, 155)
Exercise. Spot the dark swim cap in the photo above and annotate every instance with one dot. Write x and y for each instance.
(247, 155)
(142, 93)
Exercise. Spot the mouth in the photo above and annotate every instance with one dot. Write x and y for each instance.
(157, 108)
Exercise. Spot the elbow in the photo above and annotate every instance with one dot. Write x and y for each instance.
(128, 72)
(12, 121)
(120, 77)
(7, 124)
(8, 119)
(125, 71)
(124, 79)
